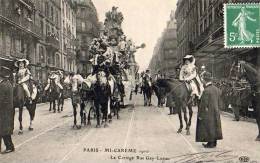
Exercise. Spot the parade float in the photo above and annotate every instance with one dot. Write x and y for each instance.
(114, 52)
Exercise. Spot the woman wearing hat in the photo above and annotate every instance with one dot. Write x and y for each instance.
(23, 76)
(188, 74)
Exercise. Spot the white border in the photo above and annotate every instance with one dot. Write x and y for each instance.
(225, 24)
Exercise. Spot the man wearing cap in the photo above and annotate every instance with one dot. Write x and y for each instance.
(23, 76)
(189, 74)
(208, 118)
(6, 110)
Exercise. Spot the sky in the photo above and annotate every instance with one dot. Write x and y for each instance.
(144, 22)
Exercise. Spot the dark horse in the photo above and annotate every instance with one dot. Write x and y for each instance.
(160, 94)
(55, 93)
(147, 91)
(182, 99)
(253, 77)
(20, 100)
(102, 94)
(115, 99)
(87, 100)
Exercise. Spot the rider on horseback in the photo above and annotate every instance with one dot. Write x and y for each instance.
(57, 76)
(189, 75)
(147, 77)
(23, 76)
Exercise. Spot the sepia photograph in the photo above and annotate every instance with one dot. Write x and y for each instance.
(120, 81)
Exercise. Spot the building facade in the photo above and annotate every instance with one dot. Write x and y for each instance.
(43, 31)
(19, 31)
(88, 27)
(68, 35)
(48, 49)
(200, 33)
(165, 52)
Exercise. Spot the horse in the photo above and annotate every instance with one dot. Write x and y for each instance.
(102, 94)
(87, 99)
(147, 92)
(115, 99)
(160, 94)
(55, 93)
(20, 100)
(250, 72)
(182, 99)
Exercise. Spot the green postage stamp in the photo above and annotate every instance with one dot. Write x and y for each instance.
(242, 25)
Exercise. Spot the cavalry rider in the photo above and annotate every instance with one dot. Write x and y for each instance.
(23, 76)
(57, 76)
(189, 75)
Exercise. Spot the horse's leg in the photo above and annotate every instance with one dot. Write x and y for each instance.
(20, 120)
(98, 115)
(58, 104)
(75, 115)
(82, 107)
(145, 102)
(190, 114)
(105, 111)
(62, 103)
(117, 109)
(186, 121)
(54, 106)
(31, 110)
(89, 112)
(180, 119)
(110, 114)
(50, 106)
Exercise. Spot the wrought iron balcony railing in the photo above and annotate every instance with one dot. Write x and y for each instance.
(214, 27)
(21, 22)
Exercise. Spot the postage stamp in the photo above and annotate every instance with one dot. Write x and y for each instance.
(242, 25)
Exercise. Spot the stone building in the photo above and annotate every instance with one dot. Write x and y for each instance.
(43, 31)
(68, 35)
(19, 31)
(200, 33)
(165, 55)
(48, 49)
(88, 27)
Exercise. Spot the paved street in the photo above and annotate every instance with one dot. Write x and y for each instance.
(148, 134)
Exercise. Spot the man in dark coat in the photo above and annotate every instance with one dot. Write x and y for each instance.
(208, 120)
(6, 110)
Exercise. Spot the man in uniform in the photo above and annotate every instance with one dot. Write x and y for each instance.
(208, 118)
(6, 110)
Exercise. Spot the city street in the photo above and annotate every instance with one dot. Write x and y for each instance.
(147, 134)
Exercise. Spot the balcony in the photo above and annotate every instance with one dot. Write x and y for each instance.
(24, 23)
(53, 42)
(211, 33)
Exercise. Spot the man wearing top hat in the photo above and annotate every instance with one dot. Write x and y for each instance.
(208, 118)
(6, 110)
